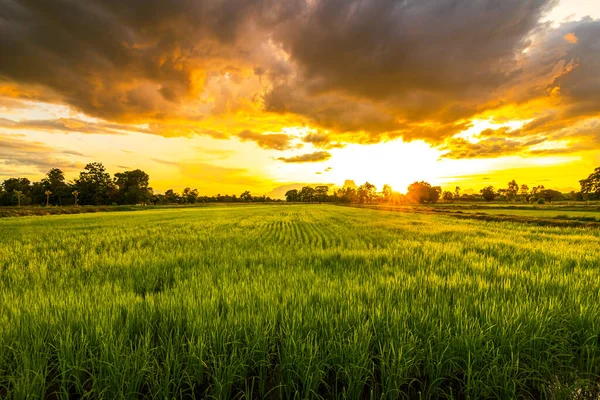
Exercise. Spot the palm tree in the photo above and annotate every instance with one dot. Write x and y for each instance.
(19, 196)
(47, 193)
(75, 193)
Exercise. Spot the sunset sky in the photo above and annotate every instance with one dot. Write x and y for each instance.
(263, 95)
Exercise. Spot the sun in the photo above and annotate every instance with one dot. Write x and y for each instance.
(396, 163)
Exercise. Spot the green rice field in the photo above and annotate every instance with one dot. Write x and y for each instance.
(296, 302)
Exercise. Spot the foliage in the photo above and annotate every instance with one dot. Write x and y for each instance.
(95, 185)
(512, 190)
(292, 195)
(488, 193)
(132, 187)
(423, 192)
(550, 195)
(246, 196)
(448, 196)
(56, 183)
(321, 193)
(590, 187)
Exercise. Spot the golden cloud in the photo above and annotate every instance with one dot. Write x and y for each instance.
(364, 71)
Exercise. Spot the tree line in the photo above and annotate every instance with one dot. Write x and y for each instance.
(95, 186)
(424, 193)
(418, 192)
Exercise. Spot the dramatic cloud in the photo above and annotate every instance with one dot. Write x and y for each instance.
(306, 158)
(417, 54)
(363, 71)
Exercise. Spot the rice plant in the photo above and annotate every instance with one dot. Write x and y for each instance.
(295, 302)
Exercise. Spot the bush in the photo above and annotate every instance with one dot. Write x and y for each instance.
(541, 201)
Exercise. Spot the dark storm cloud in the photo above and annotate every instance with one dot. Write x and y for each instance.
(317, 156)
(363, 70)
(415, 60)
(384, 48)
(128, 59)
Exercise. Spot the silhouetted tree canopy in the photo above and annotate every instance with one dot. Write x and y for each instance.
(423, 193)
(132, 187)
(94, 186)
(488, 193)
(590, 187)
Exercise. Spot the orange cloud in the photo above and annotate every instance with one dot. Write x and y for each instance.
(217, 68)
(318, 156)
(571, 38)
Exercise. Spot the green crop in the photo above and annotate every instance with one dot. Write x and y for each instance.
(295, 302)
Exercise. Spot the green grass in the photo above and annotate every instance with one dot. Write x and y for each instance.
(302, 301)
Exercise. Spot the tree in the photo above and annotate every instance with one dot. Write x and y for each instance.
(47, 193)
(422, 192)
(488, 193)
(190, 195)
(132, 187)
(11, 186)
(37, 193)
(536, 189)
(366, 192)
(94, 185)
(75, 194)
(512, 190)
(321, 193)
(246, 196)
(292, 195)
(307, 194)
(590, 187)
(457, 192)
(549, 195)
(386, 193)
(55, 182)
(19, 194)
(524, 191)
(171, 197)
(447, 196)
(345, 195)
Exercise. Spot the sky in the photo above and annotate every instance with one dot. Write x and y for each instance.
(267, 95)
